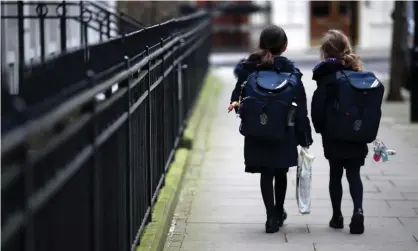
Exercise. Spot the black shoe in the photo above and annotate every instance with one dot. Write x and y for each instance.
(272, 225)
(337, 222)
(282, 217)
(357, 223)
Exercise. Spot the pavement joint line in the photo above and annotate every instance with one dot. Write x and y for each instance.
(400, 221)
(285, 238)
(393, 183)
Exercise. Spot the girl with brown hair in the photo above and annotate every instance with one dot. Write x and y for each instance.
(338, 56)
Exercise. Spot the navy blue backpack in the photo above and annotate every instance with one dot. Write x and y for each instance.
(265, 108)
(354, 115)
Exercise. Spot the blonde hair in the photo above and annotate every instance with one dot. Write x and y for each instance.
(335, 44)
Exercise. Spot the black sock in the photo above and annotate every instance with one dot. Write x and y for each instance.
(335, 186)
(280, 187)
(266, 185)
(356, 187)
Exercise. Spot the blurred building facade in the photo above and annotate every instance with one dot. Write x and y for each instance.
(41, 32)
(367, 23)
(306, 21)
(150, 12)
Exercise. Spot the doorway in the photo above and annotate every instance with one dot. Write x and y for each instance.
(226, 30)
(340, 15)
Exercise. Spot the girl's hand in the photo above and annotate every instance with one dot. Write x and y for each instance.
(232, 106)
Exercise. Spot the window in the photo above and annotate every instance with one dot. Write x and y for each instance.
(344, 8)
(320, 8)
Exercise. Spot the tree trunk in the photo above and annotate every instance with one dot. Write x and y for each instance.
(413, 87)
(398, 55)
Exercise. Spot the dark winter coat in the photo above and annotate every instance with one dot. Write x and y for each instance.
(263, 155)
(322, 97)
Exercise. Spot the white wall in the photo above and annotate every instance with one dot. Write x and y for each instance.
(259, 20)
(375, 24)
(293, 17)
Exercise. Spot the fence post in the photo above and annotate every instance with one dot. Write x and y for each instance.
(83, 26)
(184, 96)
(129, 179)
(63, 27)
(29, 190)
(42, 11)
(163, 125)
(181, 71)
(101, 30)
(21, 42)
(108, 32)
(96, 174)
(149, 138)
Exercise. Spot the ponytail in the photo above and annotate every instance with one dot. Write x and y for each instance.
(353, 61)
(265, 57)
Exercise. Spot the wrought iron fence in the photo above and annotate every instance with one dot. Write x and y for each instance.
(81, 172)
(37, 30)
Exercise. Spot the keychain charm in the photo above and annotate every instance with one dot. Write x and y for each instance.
(381, 152)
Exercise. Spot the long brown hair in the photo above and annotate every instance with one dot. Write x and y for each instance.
(335, 44)
(272, 41)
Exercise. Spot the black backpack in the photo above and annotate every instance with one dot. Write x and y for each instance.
(355, 112)
(268, 100)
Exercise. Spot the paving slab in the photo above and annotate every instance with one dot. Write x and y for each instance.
(221, 208)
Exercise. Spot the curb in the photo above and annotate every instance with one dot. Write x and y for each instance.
(154, 236)
(201, 145)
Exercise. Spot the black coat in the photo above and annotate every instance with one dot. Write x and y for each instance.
(322, 97)
(263, 155)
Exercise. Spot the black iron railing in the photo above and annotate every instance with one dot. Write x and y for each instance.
(89, 14)
(38, 30)
(81, 172)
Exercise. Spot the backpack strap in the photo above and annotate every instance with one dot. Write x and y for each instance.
(293, 85)
(360, 103)
(241, 92)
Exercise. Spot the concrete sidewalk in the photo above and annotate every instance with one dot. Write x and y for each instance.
(220, 207)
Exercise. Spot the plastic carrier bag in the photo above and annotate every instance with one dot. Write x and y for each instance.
(304, 180)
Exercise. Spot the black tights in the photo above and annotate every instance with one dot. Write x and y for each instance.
(280, 186)
(354, 181)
